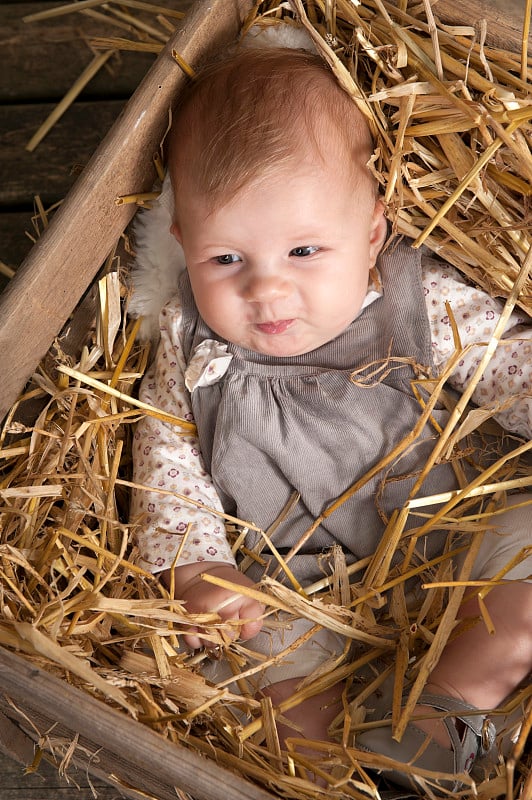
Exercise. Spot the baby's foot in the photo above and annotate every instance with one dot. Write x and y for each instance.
(434, 727)
(432, 724)
(448, 744)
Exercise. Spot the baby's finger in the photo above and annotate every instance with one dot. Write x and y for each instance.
(192, 641)
(250, 629)
(197, 639)
(251, 615)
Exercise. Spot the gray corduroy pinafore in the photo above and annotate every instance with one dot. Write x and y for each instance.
(272, 426)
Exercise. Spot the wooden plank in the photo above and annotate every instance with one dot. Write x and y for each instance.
(17, 752)
(505, 19)
(38, 301)
(42, 59)
(53, 168)
(14, 743)
(47, 784)
(109, 740)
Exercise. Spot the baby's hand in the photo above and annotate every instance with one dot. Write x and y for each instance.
(202, 597)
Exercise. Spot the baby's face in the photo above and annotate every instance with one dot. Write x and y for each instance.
(283, 268)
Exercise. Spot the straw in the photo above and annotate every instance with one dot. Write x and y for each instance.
(451, 119)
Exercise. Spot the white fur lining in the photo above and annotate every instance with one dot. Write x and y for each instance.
(159, 262)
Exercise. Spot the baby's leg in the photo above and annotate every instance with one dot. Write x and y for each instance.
(306, 648)
(476, 670)
(482, 668)
(280, 681)
(312, 717)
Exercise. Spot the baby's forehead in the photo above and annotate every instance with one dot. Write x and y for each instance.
(272, 181)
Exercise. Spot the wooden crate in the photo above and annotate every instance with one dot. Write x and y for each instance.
(35, 706)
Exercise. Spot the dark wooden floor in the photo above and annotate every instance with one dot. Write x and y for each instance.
(40, 62)
(46, 784)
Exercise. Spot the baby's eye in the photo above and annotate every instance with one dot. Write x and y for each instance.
(227, 258)
(304, 250)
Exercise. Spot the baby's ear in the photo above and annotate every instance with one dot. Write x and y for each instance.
(175, 231)
(378, 232)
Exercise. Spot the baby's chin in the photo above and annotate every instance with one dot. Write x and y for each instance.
(282, 347)
(290, 342)
(291, 346)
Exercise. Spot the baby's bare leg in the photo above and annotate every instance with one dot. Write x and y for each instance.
(480, 668)
(313, 716)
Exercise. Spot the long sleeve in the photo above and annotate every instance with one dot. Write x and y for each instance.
(166, 459)
(507, 382)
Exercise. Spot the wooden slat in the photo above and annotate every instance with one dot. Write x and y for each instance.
(41, 60)
(53, 168)
(504, 18)
(134, 753)
(15, 744)
(40, 298)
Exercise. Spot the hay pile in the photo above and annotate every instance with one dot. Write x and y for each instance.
(454, 151)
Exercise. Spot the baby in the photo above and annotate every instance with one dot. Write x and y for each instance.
(287, 292)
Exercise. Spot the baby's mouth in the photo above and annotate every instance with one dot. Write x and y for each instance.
(275, 327)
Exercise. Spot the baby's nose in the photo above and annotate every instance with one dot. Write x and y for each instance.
(265, 287)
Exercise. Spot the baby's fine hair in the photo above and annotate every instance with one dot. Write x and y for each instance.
(248, 115)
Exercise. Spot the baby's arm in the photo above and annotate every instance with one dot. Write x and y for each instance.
(507, 382)
(172, 503)
(202, 597)
(168, 473)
